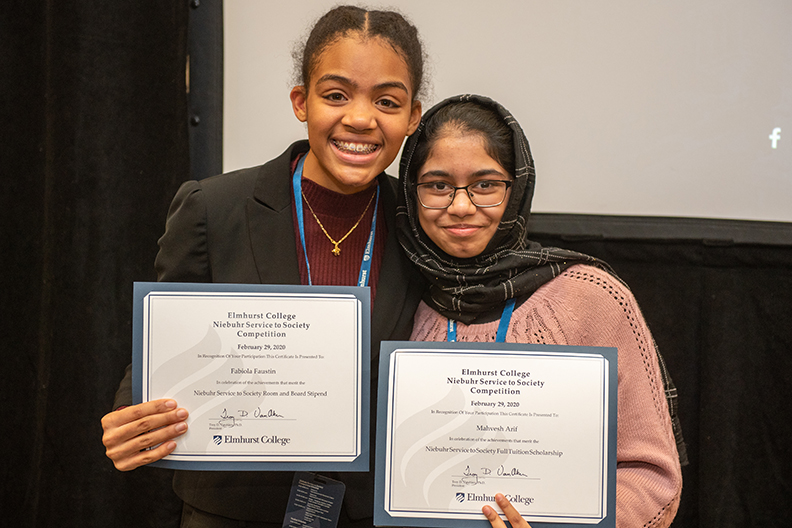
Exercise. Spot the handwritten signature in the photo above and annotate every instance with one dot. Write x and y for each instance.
(513, 472)
(471, 477)
(229, 420)
(258, 413)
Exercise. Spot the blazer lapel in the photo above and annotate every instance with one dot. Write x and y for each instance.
(270, 221)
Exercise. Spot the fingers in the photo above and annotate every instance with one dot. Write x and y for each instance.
(137, 412)
(510, 511)
(493, 517)
(130, 433)
(141, 458)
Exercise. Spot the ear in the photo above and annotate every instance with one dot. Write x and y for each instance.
(415, 117)
(298, 98)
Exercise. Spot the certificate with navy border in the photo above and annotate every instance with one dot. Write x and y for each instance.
(275, 378)
(459, 422)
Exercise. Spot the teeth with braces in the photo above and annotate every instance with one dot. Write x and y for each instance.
(357, 148)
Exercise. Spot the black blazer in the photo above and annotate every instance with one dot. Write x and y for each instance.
(238, 228)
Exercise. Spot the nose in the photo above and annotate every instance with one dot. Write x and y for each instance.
(461, 204)
(359, 115)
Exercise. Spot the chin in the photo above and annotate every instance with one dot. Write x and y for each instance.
(358, 174)
(462, 253)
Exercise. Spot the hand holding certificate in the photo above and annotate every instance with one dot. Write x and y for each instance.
(461, 422)
(274, 377)
(509, 511)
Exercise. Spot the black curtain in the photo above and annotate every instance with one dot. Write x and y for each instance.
(96, 123)
(94, 145)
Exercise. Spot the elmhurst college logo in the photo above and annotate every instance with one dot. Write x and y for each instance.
(460, 497)
(217, 439)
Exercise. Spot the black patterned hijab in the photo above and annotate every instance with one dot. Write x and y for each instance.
(475, 289)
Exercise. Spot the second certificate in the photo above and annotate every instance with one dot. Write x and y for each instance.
(463, 425)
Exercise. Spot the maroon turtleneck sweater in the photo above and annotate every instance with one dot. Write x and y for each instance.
(338, 213)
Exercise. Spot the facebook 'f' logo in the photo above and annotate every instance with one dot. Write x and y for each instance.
(775, 136)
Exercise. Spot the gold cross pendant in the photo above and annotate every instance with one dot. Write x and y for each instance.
(336, 250)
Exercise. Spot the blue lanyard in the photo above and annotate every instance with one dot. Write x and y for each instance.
(365, 265)
(503, 326)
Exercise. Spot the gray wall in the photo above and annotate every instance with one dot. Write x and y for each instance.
(632, 108)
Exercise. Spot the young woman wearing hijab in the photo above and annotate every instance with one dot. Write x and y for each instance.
(467, 180)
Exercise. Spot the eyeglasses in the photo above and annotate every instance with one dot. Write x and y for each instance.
(483, 193)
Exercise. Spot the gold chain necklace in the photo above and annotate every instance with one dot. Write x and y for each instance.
(336, 249)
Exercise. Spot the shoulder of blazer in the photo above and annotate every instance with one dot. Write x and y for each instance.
(268, 184)
(249, 221)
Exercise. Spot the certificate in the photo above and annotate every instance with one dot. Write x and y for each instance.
(459, 422)
(274, 377)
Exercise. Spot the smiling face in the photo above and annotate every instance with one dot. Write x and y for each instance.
(359, 108)
(462, 230)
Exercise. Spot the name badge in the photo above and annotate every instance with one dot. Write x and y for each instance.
(315, 501)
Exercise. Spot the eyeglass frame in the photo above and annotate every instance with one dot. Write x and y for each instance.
(508, 183)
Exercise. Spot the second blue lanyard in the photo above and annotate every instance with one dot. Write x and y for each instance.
(503, 326)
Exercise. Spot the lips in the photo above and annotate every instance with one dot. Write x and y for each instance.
(350, 147)
(462, 230)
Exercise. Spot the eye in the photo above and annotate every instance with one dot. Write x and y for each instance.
(437, 187)
(388, 103)
(336, 97)
(486, 186)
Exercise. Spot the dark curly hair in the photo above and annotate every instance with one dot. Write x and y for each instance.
(340, 21)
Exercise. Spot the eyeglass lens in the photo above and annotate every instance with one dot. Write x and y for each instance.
(439, 195)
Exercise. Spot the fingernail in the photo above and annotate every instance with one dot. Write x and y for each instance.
(181, 427)
(170, 404)
(181, 414)
(171, 446)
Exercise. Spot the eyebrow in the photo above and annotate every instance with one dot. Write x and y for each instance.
(349, 82)
(477, 174)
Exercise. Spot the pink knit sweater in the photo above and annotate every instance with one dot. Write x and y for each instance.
(586, 306)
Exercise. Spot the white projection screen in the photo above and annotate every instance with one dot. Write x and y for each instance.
(639, 108)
